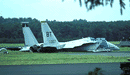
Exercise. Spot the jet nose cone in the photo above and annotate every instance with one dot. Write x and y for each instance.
(117, 48)
(113, 47)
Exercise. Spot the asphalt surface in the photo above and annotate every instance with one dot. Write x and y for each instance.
(66, 69)
(60, 69)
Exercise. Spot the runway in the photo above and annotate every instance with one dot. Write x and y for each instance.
(60, 69)
(116, 54)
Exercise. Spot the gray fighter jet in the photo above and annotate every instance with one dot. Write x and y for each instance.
(51, 43)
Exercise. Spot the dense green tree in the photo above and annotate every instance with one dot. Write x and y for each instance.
(94, 3)
(11, 29)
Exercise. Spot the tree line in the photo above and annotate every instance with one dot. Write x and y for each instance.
(11, 29)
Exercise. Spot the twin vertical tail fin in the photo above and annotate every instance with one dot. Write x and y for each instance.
(48, 36)
(29, 38)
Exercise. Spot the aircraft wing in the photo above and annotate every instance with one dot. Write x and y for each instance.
(77, 43)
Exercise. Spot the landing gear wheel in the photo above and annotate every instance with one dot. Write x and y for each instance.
(31, 49)
(39, 50)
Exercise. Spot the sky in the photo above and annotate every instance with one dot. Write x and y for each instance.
(62, 11)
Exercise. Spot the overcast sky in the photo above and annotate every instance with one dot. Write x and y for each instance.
(61, 11)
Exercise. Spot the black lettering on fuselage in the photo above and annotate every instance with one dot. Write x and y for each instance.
(48, 34)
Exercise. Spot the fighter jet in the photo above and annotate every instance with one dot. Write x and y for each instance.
(51, 44)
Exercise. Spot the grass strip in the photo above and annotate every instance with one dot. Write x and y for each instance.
(21, 58)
